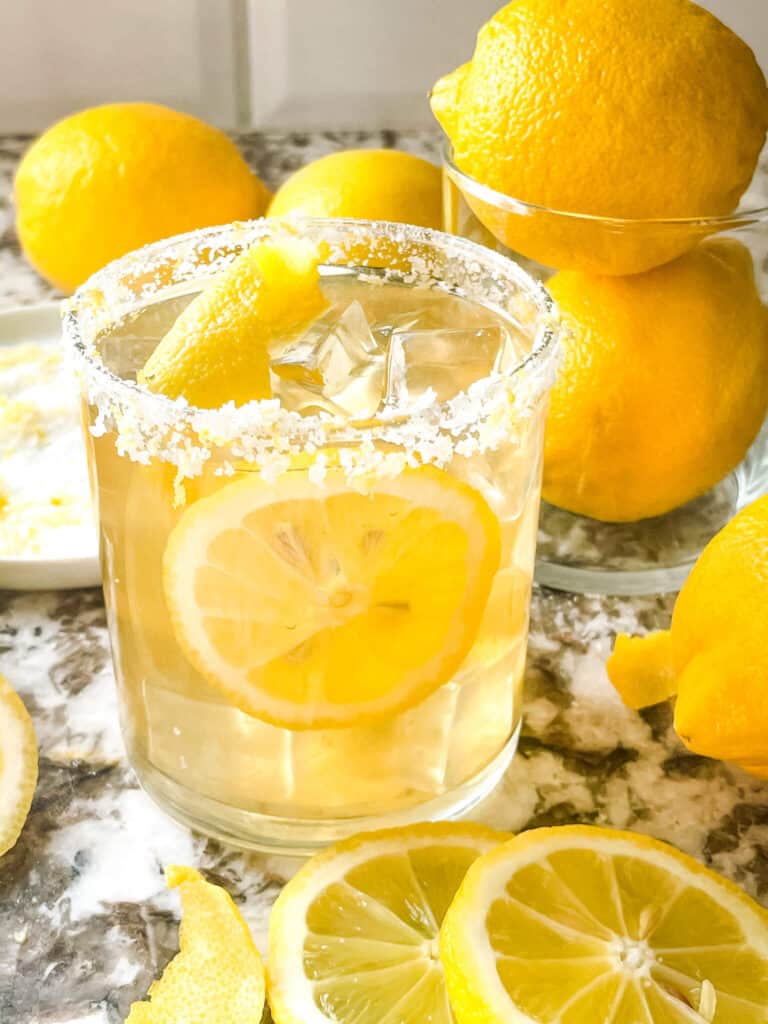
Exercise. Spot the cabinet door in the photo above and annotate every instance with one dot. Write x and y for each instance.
(59, 57)
(354, 63)
(283, 64)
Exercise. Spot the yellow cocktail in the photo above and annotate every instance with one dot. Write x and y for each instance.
(318, 602)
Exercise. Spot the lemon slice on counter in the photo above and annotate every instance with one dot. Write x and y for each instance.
(316, 606)
(18, 765)
(353, 936)
(576, 925)
(216, 351)
(217, 976)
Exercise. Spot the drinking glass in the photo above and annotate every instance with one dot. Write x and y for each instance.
(318, 602)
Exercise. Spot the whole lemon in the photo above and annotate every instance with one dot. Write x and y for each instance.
(663, 384)
(612, 108)
(716, 654)
(110, 179)
(366, 184)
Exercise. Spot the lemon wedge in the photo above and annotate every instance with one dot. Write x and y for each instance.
(217, 349)
(576, 925)
(18, 765)
(353, 936)
(217, 976)
(318, 606)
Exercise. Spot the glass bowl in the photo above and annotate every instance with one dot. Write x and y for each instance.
(577, 553)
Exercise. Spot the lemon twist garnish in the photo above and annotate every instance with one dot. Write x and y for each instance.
(18, 765)
(217, 976)
(217, 350)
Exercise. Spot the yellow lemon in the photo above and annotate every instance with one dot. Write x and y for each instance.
(217, 349)
(110, 179)
(318, 606)
(663, 385)
(217, 976)
(715, 655)
(366, 184)
(18, 765)
(580, 925)
(605, 107)
(353, 936)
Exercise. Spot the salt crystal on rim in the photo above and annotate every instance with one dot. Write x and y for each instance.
(149, 426)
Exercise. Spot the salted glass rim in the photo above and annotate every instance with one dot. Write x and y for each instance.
(92, 298)
(738, 218)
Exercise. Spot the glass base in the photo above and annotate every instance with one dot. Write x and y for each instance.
(653, 556)
(302, 837)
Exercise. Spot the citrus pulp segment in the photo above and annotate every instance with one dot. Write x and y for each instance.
(353, 936)
(18, 765)
(575, 925)
(217, 976)
(317, 605)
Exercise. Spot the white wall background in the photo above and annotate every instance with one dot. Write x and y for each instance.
(355, 62)
(57, 56)
(265, 63)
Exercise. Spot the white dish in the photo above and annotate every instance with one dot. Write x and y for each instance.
(42, 324)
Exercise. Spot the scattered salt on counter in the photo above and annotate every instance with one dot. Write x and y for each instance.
(45, 504)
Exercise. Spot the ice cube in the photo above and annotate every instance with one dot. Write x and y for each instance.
(336, 366)
(385, 328)
(446, 360)
(304, 395)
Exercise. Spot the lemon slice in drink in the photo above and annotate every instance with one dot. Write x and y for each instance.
(319, 606)
(216, 351)
(18, 765)
(217, 975)
(353, 936)
(576, 925)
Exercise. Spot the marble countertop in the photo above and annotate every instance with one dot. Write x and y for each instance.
(85, 920)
